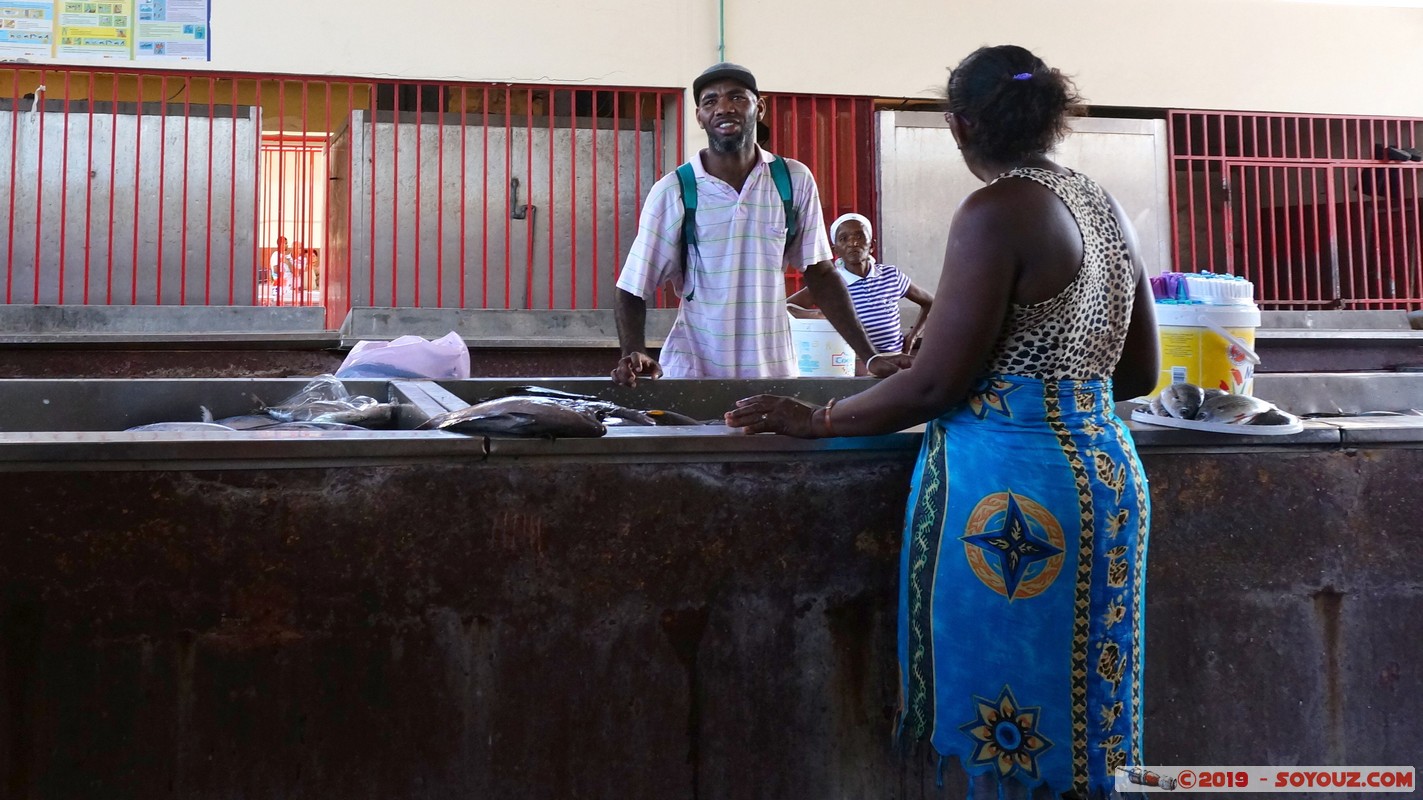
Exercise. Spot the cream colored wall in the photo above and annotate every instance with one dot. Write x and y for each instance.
(1225, 54)
(593, 42)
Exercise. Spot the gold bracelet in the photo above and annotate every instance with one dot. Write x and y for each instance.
(829, 429)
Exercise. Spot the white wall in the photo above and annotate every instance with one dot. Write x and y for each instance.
(1269, 55)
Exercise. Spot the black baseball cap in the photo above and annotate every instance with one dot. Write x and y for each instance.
(724, 71)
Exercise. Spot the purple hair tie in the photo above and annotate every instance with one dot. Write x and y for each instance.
(1023, 76)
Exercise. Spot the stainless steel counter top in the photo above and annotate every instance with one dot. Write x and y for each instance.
(59, 424)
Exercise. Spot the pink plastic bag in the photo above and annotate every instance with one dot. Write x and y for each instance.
(445, 358)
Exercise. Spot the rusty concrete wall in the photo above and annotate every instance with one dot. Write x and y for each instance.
(543, 629)
(1286, 608)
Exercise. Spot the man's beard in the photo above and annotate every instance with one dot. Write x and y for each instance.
(734, 143)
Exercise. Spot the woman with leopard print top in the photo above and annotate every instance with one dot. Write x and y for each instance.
(1022, 582)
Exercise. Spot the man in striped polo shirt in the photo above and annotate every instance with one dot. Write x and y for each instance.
(732, 322)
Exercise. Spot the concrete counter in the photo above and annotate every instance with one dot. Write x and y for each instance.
(424, 615)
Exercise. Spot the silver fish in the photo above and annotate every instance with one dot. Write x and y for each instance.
(1156, 408)
(262, 422)
(520, 416)
(582, 402)
(179, 427)
(608, 412)
(363, 411)
(310, 426)
(1209, 393)
(248, 422)
(1232, 409)
(1182, 400)
(626, 421)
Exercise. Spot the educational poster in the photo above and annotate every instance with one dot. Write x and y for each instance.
(26, 29)
(95, 29)
(172, 30)
(121, 30)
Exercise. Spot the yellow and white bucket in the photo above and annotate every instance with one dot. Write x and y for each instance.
(1212, 346)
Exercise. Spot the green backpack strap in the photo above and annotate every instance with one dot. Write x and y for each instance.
(687, 177)
(781, 174)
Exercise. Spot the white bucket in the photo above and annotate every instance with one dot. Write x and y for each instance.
(820, 351)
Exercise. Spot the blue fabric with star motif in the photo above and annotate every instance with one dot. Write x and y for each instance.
(1022, 587)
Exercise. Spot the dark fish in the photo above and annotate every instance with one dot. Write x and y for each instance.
(521, 416)
(663, 417)
(1274, 416)
(179, 427)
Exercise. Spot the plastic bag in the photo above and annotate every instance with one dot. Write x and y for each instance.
(325, 399)
(445, 358)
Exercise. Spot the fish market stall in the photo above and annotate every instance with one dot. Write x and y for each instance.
(662, 611)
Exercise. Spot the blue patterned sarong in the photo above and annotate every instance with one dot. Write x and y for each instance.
(1022, 587)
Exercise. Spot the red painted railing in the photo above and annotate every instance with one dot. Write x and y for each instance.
(1318, 211)
(127, 186)
(131, 187)
(834, 136)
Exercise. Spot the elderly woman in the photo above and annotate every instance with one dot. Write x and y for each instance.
(875, 289)
(1024, 557)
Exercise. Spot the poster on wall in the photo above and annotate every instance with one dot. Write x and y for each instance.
(95, 29)
(86, 30)
(172, 30)
(26, 29)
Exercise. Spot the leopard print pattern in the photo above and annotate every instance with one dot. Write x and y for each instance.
(1078, 334)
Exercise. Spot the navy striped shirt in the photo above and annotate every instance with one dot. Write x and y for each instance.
(876, 298)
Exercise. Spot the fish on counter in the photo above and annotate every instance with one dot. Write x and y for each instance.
(1182, 400)
(325, 399)
(311, 426)
(661, 416)
(1233, 409)
(1186, 401)
(248, 422)
(359, 410)
(535, 411)
(323, 404)
(179, 427)
(606, 411)
(243, 423)
(529, 416)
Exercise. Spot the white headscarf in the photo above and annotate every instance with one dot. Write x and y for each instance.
(844, 218)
